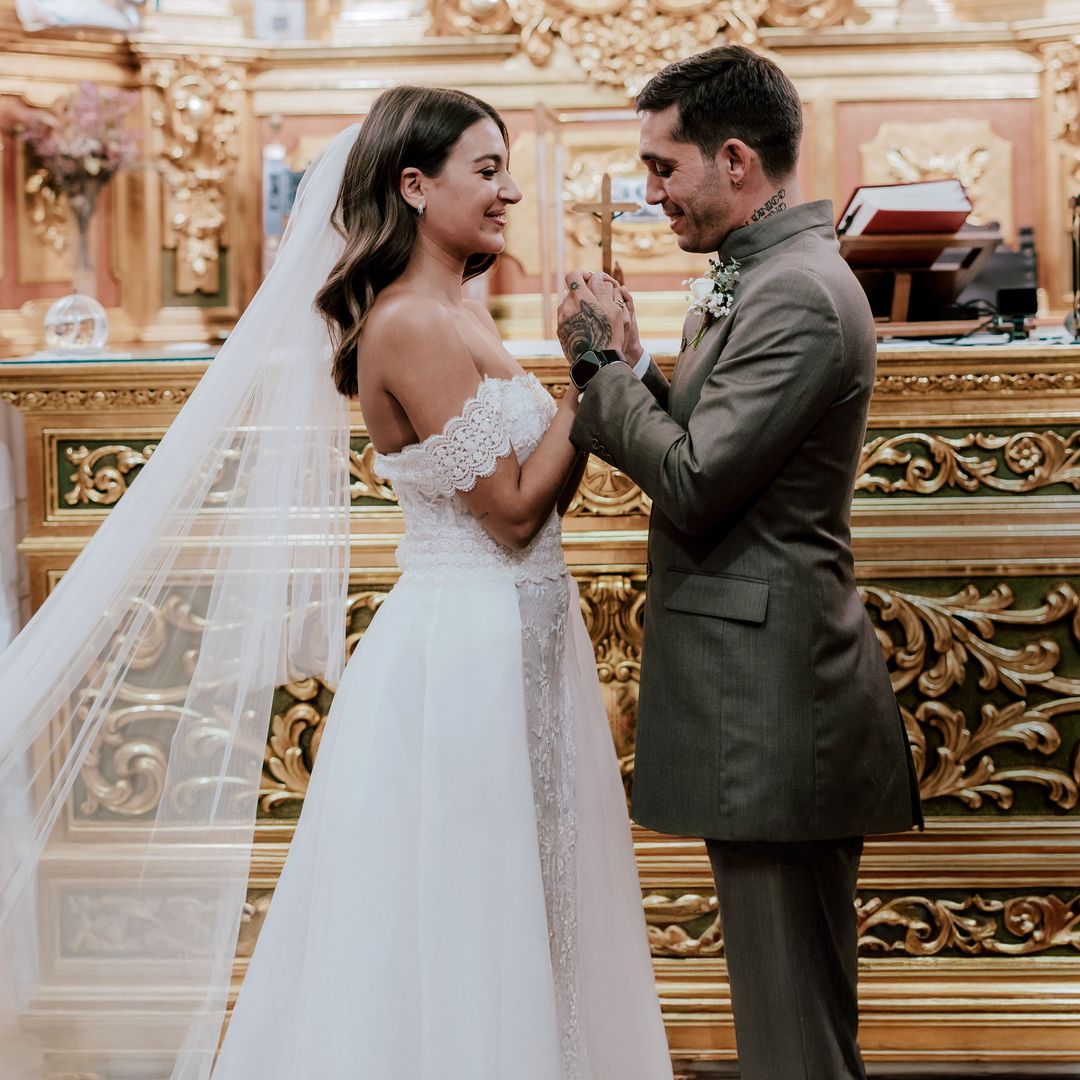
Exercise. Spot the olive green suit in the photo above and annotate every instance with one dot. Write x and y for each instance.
(766, 713)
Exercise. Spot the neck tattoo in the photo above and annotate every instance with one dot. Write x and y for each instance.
(773, 206)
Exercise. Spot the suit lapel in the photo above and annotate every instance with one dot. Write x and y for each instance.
(685, 357)
(690, 361)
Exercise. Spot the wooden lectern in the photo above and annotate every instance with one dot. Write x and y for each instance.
(902, 273)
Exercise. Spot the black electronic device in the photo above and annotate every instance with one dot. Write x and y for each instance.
(1006, 284)
(589, 363)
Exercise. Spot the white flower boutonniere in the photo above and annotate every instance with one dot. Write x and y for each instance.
(713, 295)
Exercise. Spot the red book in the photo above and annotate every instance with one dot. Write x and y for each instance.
(930, 206)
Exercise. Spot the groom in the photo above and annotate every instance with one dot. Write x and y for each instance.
(767, 723)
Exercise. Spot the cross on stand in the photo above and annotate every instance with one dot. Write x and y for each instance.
(606, 211)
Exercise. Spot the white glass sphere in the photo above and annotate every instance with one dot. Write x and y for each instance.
(76, 323)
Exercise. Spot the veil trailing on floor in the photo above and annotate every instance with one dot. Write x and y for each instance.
(128, 797)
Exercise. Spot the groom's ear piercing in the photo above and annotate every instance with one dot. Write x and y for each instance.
(737, 184)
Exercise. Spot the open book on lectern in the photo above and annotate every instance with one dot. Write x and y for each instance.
(925, 206)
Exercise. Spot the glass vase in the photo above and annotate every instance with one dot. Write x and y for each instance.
(77, 324)
(84, 276)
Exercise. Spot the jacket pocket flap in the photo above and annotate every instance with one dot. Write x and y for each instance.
(722, 595)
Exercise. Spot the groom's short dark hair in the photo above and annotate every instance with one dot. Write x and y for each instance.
(731, 93)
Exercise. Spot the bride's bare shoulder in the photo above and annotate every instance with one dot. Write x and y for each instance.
(399, 317)
(414, 341)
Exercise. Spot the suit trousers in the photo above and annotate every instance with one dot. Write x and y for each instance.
(790, 942)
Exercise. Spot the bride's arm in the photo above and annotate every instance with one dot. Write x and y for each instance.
(573, 481)
(430, 372)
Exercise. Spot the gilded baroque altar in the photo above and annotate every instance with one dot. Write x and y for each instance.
(967, 532)
(967, 519)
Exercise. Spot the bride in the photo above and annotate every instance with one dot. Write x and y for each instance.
(460, 900)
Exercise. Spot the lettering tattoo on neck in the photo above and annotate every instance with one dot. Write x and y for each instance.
(773, 206)
(589, 329)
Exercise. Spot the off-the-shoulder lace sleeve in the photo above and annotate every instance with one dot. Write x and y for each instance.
(471, 444)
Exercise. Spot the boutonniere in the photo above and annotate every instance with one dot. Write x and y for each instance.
(712, 295)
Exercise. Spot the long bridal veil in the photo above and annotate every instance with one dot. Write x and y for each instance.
(128, 803)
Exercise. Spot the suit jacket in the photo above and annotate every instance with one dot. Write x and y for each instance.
(766, 711)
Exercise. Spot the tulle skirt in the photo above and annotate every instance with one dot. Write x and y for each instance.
(460, 900)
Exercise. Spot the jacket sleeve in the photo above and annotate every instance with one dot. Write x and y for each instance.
(656, 382)
(778, 373)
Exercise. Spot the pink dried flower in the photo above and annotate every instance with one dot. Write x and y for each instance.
(82, 141)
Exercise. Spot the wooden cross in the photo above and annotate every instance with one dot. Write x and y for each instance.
(606, 211)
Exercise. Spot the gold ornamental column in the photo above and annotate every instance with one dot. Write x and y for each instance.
(200, 190)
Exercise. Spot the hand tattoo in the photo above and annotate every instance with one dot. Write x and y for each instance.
(773, 206)
(589, 329)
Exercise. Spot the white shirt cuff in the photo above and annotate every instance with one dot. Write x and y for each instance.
(642, 366)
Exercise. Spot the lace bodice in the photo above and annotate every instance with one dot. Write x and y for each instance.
(442, 539)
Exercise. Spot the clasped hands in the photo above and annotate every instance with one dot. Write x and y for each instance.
(597, 312)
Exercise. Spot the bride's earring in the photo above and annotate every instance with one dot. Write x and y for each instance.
(420, 207)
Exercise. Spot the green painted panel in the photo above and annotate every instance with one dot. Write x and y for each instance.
(994, 461)
(988, 674)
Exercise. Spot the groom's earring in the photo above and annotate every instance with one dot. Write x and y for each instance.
(737, 185)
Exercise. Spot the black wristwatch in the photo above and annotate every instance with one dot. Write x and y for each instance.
(589, 363)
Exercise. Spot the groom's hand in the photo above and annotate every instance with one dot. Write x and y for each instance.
(593, 315)
(633, 347)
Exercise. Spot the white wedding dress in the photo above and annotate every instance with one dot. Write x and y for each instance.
(460, 901)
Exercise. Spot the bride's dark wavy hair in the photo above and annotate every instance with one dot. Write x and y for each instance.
(408, 127)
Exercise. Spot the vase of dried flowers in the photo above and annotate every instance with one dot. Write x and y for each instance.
(81, 143)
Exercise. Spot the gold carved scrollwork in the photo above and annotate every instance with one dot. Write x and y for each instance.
(125, 768)
(813, 14)
(196, 118)
(910, 925)
(296, 731)
(124, 774)
(366, 482)
(1019, 926)
(46, 400)
(929, 643)
(102, 484)
(1062, 59)
(996, 382)
(1038, 458)
(623, 44)
(290, 752)
(668, 918)
(1062, 63)
(607, 492)
(468, 17)
(124, 771)
(47, 210)
(614, 610)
